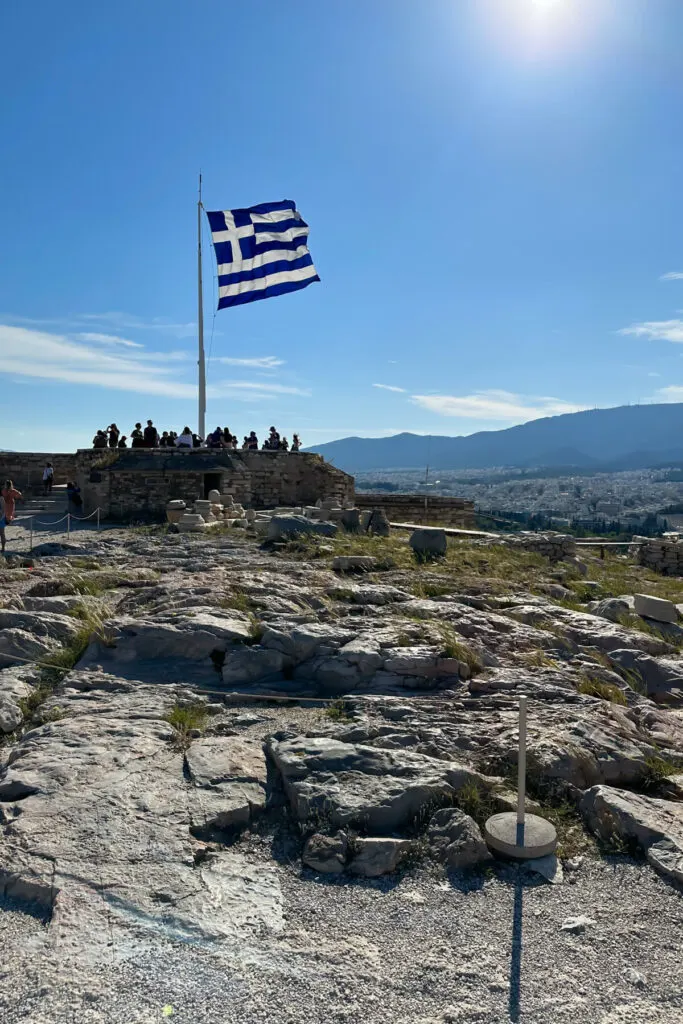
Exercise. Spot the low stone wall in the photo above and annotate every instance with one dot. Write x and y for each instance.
(420, 508)
(555, 546)
(661, 554)
(25, 469)
(294, 478)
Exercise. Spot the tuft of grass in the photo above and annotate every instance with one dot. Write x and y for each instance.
(453, 647)
(594, 687)
(476, 802)
(572, 836)
(427, 589)
(634, 680)
(573, 604)
(256, 630)
(86, 585)
(341, 594)
(633, 621)
(38, 695)
(237, 600)
(184, 721)
(84, 562)
(657, 770)
(337, 711)
(55, 714)
(537, 659)
(108, 459)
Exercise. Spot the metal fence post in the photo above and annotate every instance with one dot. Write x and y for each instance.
(31, 534)
(98, 518)
(68, 524)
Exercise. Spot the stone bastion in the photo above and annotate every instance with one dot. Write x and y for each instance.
(137, 483)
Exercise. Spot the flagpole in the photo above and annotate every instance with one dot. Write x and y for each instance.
(201, 419)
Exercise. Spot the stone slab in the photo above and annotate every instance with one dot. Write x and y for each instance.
(538, 839)
(655, 608)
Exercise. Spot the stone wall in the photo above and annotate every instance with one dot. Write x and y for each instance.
(662, 554)
(140, 482)
(420, 508)
(555, 546)
(288, 478)
(25, 469)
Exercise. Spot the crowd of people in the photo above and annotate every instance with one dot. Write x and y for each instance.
(221, 437)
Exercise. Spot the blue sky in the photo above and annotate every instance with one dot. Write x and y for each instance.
(493, 189)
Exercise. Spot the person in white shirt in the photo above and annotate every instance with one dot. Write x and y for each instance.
(48, 476)
(184, 440)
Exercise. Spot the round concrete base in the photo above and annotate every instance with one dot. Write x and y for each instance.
(536, 838)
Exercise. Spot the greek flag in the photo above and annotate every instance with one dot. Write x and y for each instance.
(261, 251)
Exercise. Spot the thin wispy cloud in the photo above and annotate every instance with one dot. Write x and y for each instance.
(130, 322)
(656, 330)
(273, 389)
(496, 406)
(108, 339)
(389, 387)
(114, 321)
(254, 362)
(672, 275)
(29, 355)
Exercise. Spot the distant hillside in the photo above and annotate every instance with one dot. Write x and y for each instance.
(628, 437)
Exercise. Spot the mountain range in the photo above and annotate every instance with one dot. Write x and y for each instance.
(626, 437)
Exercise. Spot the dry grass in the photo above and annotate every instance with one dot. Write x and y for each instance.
(617, 575)
(537, 659)
(594, 687)
(237, 600)
(454, 647)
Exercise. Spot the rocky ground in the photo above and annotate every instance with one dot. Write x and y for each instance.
(239, 784)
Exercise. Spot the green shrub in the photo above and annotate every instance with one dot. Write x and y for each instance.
(38, 695)
(184, 720)
(337, 710)
(657, 770)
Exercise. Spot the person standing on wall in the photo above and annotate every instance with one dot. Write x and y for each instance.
(150, 435)
(48, 477)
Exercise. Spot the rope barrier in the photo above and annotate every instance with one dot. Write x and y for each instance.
(55, 522)
(32, 521)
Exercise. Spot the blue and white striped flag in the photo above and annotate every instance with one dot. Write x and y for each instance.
(261, 251)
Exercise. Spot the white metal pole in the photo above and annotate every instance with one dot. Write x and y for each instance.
(31, 534)
(201, 419)
(521, 762)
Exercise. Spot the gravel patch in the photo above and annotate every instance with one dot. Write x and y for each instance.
(416, 948)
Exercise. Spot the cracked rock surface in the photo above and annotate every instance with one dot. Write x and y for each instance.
(182, 717)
